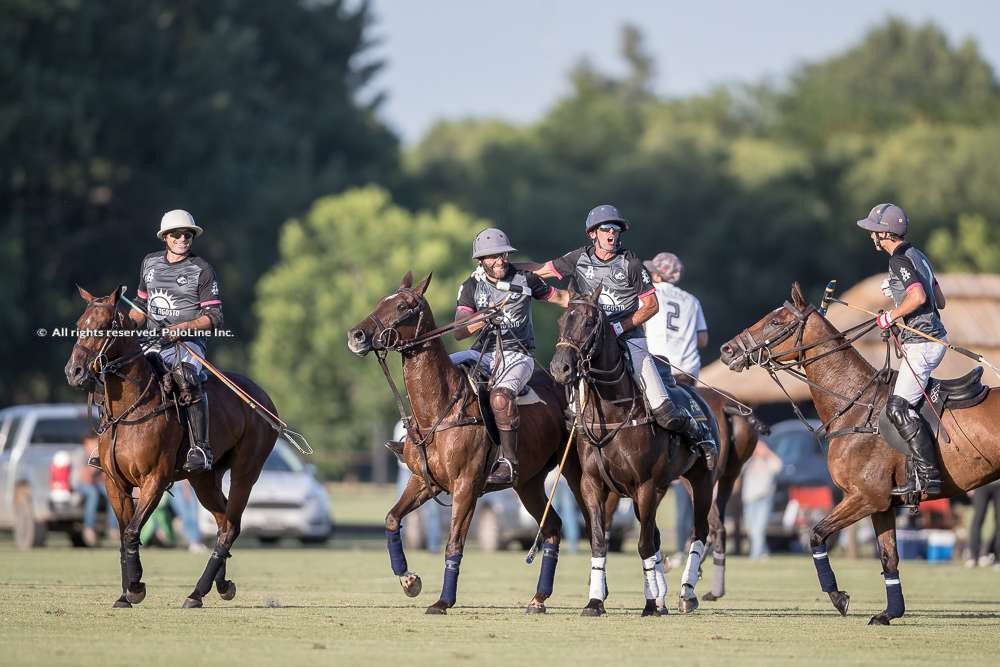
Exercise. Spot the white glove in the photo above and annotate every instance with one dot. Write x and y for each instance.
(885, 288)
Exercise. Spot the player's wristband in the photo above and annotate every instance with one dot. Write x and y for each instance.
(617, 328)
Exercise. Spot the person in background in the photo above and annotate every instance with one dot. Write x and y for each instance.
(757, 494)
(90, 485)
(982, 498)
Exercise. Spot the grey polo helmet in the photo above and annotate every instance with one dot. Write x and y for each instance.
(886, 218)
(603, 214)
(491, 241)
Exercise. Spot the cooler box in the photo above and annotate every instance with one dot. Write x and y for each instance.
(911, 544)
(940, 545)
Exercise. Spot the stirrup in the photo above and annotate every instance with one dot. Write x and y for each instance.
(94, 461)
(709, 454)
(495, 477)
(198, 459)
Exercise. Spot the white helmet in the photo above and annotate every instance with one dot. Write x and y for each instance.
(178, 219)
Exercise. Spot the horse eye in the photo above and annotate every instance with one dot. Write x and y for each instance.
(400, 306)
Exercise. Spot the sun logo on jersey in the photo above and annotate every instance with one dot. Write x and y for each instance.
(161, 304)
(609, 303)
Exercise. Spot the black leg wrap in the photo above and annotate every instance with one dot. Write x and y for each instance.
(216, 562)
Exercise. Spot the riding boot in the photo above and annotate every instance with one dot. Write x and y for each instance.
(671, 417)
(504, 405)
(925, 476)
(199, 456)
(396, 447)
(701, 441)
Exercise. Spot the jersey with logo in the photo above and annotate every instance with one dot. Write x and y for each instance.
(518, 287)
(623, 279)
(673, 331)
(909, 267)
(178, 292)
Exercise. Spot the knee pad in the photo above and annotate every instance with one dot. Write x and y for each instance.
(504, 406)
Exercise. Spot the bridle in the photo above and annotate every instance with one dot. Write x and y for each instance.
(588, 347)
(386, 336)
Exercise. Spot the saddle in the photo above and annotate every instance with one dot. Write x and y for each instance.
(479, 379)
(958, 393)
(684, 396)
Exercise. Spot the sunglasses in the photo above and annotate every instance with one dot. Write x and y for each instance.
(610, 228)
(180, 235)
(493, 259)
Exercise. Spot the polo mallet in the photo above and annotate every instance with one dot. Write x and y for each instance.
(824, 305)
(975, 356)
(294, 437)
(530, 558)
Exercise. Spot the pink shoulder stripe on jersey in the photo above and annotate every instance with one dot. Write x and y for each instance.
(464, 309)
(213, 302)
(648, 292)
(142, 295)
(551, 293)
(549, 265)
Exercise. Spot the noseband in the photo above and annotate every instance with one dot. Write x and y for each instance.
(761, 353)
(588, 347)
(387, 337)
(100, 365)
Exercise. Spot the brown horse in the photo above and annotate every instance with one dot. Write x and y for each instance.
(141, 441)
(448, 448)
(848, 394)
(622, 452)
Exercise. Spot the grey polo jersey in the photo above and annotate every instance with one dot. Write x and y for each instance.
(478, 293)
(908, 267)
(623, 278)
(178, 292)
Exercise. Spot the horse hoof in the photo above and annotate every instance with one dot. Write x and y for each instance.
(191, 603)
(650, 609)
(535, 607)
(122, 603)
(662, 611)
(593, 609)
(228, 590)
(881, 619)
(138, 595)
(438, 608)
(841, 601)
(687, 605)
(411, 584)
(711, 597)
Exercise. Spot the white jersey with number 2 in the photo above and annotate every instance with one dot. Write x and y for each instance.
(673, 331)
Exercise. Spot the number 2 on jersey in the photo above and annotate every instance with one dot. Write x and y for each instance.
(672, 313)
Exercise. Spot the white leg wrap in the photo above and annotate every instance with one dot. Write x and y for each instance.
(690, 577)
(719, 578)
(661, 580)
(598, 578)
(649, 587)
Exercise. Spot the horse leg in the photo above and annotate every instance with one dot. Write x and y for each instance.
(463, 505)
(124, 509)
(150, 493)
(414, 495)
(645, 511)
(884, 523)
(717, 520)
(701, 482)
(847, 511)
(532, 495)
(595, 498)
(209, 491)
(215, 571)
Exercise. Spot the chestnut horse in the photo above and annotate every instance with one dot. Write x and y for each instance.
(622, 452)
(447, 446)
(848, 394)
(141, 441)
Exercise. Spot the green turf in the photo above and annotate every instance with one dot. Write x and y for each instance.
(344, 607)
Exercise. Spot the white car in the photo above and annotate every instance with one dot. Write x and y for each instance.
(286, 501)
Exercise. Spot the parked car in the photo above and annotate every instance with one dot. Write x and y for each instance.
(287, 501)
(41, 448)
(804, 490)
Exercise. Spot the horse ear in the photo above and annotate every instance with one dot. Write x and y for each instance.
(798, 298)
(116, 294)
(407, 280)
(84, 294)
(596, 294)
(422, 287)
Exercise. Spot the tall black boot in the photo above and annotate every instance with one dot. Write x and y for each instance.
(505, 471)
(199, 456)
(671, 417)
(680, 421)
(925, 475)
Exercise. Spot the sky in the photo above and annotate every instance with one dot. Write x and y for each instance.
(453, 59)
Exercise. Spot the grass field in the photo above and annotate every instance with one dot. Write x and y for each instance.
(343, 606)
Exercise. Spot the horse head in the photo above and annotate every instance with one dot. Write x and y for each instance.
(581, 333)
(89, 355)
(778, 336)
(397, 319)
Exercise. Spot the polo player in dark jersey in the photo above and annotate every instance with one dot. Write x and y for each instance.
(180, 292)
(493, 282)
(628, 299)
(917, 297)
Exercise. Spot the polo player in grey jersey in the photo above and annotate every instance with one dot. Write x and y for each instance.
(629, 300)
(918, 298)
(493, 282)
(181, 294)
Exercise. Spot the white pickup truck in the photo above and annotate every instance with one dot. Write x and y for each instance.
(41, 451)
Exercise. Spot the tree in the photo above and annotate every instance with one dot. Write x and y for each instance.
(336, 262)
(973, 247)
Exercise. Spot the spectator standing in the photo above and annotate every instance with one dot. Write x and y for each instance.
(757, 494)
(982, 498)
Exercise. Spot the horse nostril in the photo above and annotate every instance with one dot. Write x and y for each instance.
(358, 335)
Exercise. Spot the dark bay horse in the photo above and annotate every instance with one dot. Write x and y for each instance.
(141, 442)
(621, 452)
(447, 447)
(848, 394)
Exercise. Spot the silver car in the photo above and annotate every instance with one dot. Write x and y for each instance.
(286, 501)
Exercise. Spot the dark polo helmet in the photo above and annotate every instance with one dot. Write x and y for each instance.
(886, 218)
(603, 214)
(491, 241)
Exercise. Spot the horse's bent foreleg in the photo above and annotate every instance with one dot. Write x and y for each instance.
(149, 497)
(847, 511)
(532, 494)
(701, 482)
(595, 496)
(124, 508)
(884, 523)
(414, 495)
(463, 506)
(723, 491)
